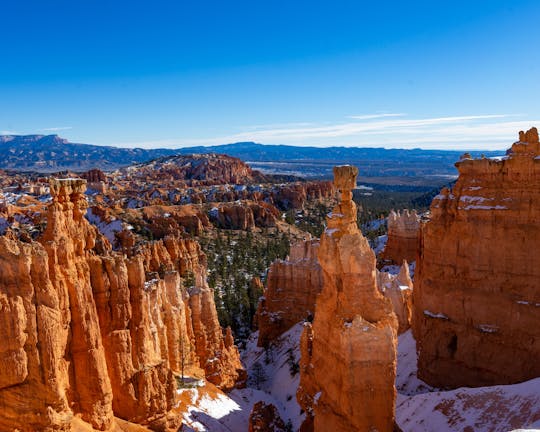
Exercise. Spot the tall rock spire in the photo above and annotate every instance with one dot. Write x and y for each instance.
(348, 362)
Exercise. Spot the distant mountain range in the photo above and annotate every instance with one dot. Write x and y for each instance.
(50, 153)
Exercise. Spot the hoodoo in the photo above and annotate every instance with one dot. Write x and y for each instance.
(476, 296)
(291, 290)
(402, 243)
(348, 362)
(90, 335)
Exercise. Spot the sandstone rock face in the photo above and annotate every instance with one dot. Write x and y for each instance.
(291, 290)
(348, 362)
(89, 332)
(265, 418)
(398, 288)
(233, 216)
(403, 229)
(244, 215)
(295, 195)
(476, 296)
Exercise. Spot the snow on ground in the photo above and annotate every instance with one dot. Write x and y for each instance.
(407, 383)
(394, 269)
(108, 229)
(420, 408)
(379, 244)
(276, 365)
(270, 380)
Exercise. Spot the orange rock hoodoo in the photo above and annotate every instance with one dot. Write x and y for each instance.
(402, 243)
(477, 303)
(87, 332)
(398, 288)
(291, 290)
(348, 361)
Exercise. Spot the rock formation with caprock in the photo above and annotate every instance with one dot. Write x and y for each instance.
(348, 362)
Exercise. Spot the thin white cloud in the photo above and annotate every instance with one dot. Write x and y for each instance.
(374, 116)
(57, 129)
(489, 131)
(8, 132)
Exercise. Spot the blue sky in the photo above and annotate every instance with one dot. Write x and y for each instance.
(460, 74)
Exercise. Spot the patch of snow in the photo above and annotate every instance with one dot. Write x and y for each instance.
(488, 328)
(435, 315)
(330, 231)
(468, 198)
(380, 244)
(108, 229)
(407, 382)
(483, 207)
(280, 385)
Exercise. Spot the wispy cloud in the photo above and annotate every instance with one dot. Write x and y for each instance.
(57, 129)
(484, 131)
(374, 116)
(8, 132)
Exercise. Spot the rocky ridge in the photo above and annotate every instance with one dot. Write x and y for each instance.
(90, 333)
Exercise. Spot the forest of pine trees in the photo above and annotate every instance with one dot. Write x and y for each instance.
(234, 258)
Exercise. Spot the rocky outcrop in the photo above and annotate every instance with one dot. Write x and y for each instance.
(402, 243)
(476, 293)
(94, 176)
(291, 290)
(348, 362)
(265, 418)
(295, 195)
(244, 215)
(398, 288)
(90, 333)
(197, 168)
(232, 216)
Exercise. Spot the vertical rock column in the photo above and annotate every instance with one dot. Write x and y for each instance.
(348, 362)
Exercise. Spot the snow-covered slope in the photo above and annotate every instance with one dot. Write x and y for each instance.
(420, 408)
(270, 379)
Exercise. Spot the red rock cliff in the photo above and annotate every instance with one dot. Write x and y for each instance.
(87, 332)
(348, 362)
(476, 297)
(291, 289)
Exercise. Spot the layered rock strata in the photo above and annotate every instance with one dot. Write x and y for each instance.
(402, 243)
(476, 297)
(292, 286)
(348, 362)
(89, 333)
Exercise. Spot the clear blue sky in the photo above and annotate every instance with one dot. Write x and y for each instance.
(433, 74)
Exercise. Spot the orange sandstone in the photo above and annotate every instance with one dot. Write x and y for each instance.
(348, 361)
(476, 297)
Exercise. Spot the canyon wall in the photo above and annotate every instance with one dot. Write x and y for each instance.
(291, 290)
(402, 243)
(89, 333)
(476, 296)
(348, 354)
